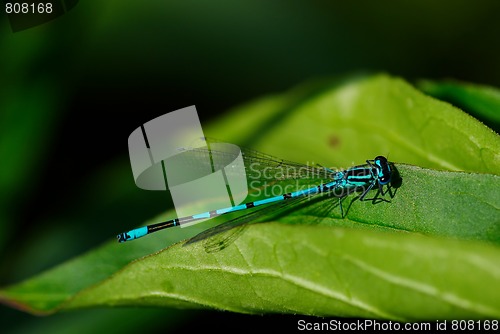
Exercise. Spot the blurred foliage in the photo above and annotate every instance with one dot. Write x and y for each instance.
(72, 90)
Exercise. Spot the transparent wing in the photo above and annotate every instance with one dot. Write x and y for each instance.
(221, 236)
(258, 166)
(267, 175)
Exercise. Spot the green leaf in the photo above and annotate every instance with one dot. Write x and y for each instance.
(481, 101)
(342, 123)
(312, 270)
(468, 209)
(431, 252)
(319, 271)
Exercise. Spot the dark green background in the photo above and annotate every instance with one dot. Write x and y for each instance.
(73, 89)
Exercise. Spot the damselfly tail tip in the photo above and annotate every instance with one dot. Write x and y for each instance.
(122, 237)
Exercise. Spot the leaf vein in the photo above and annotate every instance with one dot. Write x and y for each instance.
(450, 298)
(302, 283)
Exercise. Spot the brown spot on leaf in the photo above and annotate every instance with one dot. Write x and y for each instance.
(333, 141)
